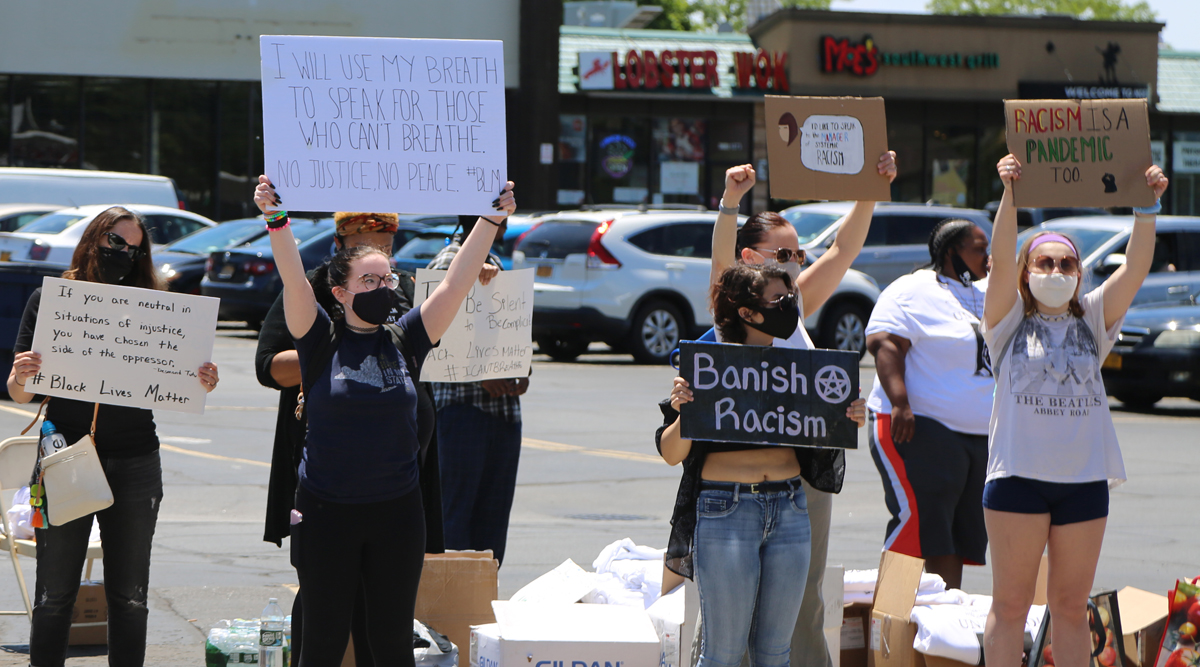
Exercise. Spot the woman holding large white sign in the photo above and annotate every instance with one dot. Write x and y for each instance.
(358, 475)
(114, 249)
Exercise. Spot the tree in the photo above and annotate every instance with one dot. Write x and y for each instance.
(676, 15)
(1103, 10)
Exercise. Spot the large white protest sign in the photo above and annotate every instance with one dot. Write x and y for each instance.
(123, 345)
(492, 334)
(384, 124)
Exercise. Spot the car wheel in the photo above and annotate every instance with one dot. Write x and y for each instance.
(1139, 401)
(845, 328)
(562, 349)
(656, 331)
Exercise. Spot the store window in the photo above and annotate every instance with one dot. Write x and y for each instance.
(182, 140)
(992, 148)
(116, 120)
(905, 139)
(237, 179)
(572, 159)
(5, 122)
(679, 150)
(1185, 179)
(620, 159)
(729, 144)
(951, 154)
(45, 121)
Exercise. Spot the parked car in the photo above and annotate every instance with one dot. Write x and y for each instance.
(1029, 217)
(52, 238)
(181, 264)
(16, 216)
(897, 243)
(82, 187)
(1175, 273)
(422, 248)
(1157, 354)
(639, 282)
(245, 279)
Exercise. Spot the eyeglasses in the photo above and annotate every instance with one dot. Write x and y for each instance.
(1068, 265)
(788, 299)
(117, 242)
(782, 255)
(371, 281)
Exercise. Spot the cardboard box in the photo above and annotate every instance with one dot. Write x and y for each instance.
(457, 589)
(833, 593)
(1143, 620)
(856, 619)
(89, 617)
(545, 635)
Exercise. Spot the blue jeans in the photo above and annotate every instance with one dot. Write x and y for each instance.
(751, 556)
(127, 530)
(478, 455)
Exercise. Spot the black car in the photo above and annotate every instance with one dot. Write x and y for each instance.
(1157, 355)
(181, 264)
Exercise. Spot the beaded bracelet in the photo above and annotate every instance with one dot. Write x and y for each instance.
(274, 217)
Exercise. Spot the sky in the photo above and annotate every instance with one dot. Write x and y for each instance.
(1182, 18)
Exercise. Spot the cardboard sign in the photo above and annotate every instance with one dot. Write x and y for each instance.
(128, 346)
(492, 334)
(1080, 152)
(769, 395)
(826, 147)
(380, 124)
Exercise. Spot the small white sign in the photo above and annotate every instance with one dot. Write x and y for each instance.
(1187, 157)
(492, 334)
(679, 178)
(832, 144)
(1158, 153)
(547, 154)
(128, 346)
(596, 70)
(384, 124)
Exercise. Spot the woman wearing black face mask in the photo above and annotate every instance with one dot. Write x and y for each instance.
(932, 401)
(741, 525)
(114, 249)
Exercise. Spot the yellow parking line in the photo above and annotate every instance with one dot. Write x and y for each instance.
(18, 411)
(215, 457)
(548, 446)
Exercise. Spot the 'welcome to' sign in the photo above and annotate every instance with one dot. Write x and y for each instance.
(769, 395)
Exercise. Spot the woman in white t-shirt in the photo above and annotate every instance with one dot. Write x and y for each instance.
(1052, 448)
(931, 403)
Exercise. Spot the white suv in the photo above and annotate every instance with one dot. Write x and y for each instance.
(638, 281)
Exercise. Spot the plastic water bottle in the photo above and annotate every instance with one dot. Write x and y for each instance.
(52, 441)
(270, 636)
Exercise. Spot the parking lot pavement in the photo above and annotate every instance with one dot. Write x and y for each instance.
(589, 475)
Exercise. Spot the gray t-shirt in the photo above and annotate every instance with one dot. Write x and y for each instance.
(1050, 418)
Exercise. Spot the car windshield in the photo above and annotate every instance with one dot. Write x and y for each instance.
(301, 229)
(809, 225)
(422, 247)
(225, 235)
(558, 238)
(52, 223)
(1088, 239)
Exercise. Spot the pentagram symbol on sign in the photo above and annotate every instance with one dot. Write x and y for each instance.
(833, 384)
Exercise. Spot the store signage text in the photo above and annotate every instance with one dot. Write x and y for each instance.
(766, 71)
(864, 58)
(648, 70)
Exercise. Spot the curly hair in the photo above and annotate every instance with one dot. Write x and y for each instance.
(1027, 299)
(756, 229)
(741, 286)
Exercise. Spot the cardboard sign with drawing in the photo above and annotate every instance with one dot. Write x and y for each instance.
(1080, 152)
(824, 147)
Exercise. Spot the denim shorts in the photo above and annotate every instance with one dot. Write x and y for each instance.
(1065, 503)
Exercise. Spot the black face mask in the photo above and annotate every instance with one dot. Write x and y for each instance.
(781, 321)
(115, 265)
(379, 306)
(963, 272)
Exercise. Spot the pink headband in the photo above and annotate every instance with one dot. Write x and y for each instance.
(1054, 238)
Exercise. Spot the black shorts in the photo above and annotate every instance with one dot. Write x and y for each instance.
(933, 486)
(1064, 502)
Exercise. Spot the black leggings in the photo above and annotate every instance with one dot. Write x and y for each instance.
(341, 549)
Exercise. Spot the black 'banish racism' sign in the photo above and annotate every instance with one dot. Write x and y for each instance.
(769, 395)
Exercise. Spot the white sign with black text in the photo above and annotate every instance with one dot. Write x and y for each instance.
(126, 346)
(377, 124)
(492, 334)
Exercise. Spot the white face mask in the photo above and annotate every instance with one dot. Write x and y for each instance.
(792, 268)
(1052, 289)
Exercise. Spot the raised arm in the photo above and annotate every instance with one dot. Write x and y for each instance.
(299, 303)
(1125, 282)
(738, 181)
(1002, 279)
(438, 311)
(818, 282)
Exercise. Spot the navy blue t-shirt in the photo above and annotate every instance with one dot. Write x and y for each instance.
(362, 413)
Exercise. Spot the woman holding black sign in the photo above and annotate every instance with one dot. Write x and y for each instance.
(740, 524)
(358, 474)
(115, 250)
(1053, 450)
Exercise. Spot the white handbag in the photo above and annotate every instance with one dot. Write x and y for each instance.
(73, 481)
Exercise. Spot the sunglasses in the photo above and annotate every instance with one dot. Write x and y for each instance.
(1067, 265)
(788, 299)
(782, 255)
(117, 242)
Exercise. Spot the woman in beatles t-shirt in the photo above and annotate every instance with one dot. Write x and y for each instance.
(360, 521)
(1052, 447)
(114, 249)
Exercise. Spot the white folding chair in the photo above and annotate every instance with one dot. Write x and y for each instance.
(17, 456)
